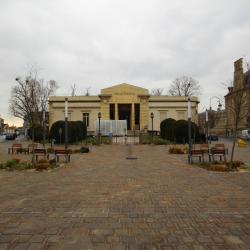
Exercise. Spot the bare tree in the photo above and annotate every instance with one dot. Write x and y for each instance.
(184, 86)
(87, 92)
(238, 106)
(45, 90)
(29, 98)
(73, 90)
(157, 91)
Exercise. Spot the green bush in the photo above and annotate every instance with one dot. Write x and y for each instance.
(177, 131)
(145, 139)
(181, 132)
(167, 129)
(77, 131)
(160, 141)
(11, 163)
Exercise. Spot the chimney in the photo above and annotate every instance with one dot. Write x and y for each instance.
(238, 74)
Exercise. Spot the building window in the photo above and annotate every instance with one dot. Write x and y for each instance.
(86, 119)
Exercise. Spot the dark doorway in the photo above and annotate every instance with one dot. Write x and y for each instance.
(124, 111)
(137, 116)
(112, 111)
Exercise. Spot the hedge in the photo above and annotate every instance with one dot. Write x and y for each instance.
(177, 131)
(167, 129)
(77, 131)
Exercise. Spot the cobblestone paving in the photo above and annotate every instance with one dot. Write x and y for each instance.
(104, 201)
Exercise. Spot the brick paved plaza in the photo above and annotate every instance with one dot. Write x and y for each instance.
(104, 201)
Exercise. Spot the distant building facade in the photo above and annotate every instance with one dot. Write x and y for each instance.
(217, 121)
(123, 102)
(241, 83)
(1, 125)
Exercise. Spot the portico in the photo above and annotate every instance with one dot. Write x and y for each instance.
(125, 102)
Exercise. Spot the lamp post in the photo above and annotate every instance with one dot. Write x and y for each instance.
(152, 120)
(206, 125)
(99, 127)
(66, 123)
(210, 109)
(189, 130)
(44, 129)
(211, 98)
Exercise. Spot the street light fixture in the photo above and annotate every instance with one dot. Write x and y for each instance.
(207, 114)
(206, 126)
(152, 120)
(211, 98)
(189, 130)
(99, 134)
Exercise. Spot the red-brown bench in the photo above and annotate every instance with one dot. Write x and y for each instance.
(62, 152)
(218, 151)
(39, 152)
(31, 147)
(196, 153)
(15, 148)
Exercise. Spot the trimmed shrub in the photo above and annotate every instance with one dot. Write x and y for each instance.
(77, 131)
(181, 132)
(167, 128)
(177, 131)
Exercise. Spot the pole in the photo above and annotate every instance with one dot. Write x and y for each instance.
(189, 131)
(152, 129)
(66, 123)
(44, 129)
(206, 126)
(99, 130)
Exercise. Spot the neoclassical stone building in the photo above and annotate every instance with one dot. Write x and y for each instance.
(123, 102)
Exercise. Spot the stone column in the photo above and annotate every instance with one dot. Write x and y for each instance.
(116, 112)
(132, 116)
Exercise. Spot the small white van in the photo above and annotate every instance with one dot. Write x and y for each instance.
(245, 134)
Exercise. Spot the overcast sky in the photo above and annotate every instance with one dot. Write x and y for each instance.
(100, 43)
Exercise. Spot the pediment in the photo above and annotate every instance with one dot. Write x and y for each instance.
(124, 89)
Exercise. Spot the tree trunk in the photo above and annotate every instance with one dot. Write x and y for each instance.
(233, 147)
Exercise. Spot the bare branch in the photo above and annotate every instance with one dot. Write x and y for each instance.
(157, 91)
(184, 86)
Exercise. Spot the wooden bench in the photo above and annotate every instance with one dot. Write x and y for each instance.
(218, 151)
(39, 152)
(205, 149)
(196, 153)
(62, 152)
(221, 146)
(15, 148)
(31, 147)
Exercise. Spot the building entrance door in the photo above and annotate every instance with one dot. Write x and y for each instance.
(124, 112)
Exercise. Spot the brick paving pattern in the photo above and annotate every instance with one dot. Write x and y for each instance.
(104, 201)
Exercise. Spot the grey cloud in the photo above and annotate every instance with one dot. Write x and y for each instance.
(99, 43)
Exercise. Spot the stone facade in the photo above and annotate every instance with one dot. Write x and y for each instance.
(1, 124)
(241, 84)
(123, 101)
(216, 122)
